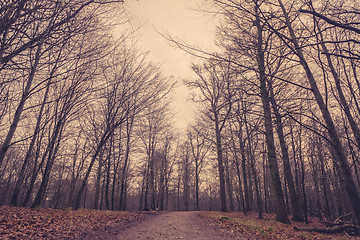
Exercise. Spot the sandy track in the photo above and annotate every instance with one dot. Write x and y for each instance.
(171, 225)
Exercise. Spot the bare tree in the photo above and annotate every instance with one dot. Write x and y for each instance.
(216, 92)
(131, 85)
(199, 148)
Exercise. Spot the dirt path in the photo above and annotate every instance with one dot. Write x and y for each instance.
(171, 225)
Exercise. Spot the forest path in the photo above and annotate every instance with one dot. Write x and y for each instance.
(172, 225)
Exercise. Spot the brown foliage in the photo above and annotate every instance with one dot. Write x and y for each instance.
(26, 223)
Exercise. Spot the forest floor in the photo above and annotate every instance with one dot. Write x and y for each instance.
(250, 227)
(26, 223)
(40, 223)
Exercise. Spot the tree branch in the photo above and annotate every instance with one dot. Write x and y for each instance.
(330, 21)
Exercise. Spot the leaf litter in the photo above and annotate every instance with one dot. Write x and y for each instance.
(40, 223)
(250, 227)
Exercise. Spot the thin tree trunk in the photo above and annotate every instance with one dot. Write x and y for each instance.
(229, 185)
(142, 192)
(129, 125)
(244, 174)
(220, 166)
(266, 206)
(237, 165)
(316, 183)
(146, 204)
(34, 175)
(324, 183)
(243, 167)
(197, 184)
(108, 166)
(97, 183)
(257, 188)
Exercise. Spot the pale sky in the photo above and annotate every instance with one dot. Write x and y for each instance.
(177, 18)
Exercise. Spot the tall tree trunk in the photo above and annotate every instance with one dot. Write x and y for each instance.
(316, 183)
(98, 180)
(146, 202)
(129, 125)
(166, 193)
(281, 214)
(197, 184)
(266, 205)
(34, 175)
(229, 185)
(237, 165)
(221, 169)
(302, 167)
(323, 179)
(244, 173)
(243, 165)
(142, 191)
(256, 183)
(337, 188)
(108, 168)
(295, 203)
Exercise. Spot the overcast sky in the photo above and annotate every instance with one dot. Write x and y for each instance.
(178, 18)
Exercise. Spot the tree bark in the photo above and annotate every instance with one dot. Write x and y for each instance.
(280, 208)
(295, 203)
(221, 169)
(98, 180)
